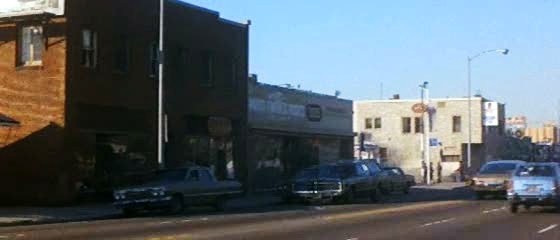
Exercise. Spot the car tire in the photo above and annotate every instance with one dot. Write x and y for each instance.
(373, 195)
(177, 205)
(406, 189)
(350, 196)
(514, 208)
(480, 195)
(221, 203)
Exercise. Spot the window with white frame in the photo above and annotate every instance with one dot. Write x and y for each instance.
(89, 48)
(31, 46)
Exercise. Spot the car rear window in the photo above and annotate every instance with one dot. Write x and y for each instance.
(535, 171)
(498, 168)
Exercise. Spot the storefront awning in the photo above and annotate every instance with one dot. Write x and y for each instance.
(6, 121)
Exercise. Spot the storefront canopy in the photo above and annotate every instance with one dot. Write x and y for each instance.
(6, 121)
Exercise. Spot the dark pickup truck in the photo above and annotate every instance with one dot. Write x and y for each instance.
(332, 182)
(175, 189)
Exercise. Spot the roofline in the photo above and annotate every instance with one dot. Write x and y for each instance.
(209, 11)
(418, 100)
(299, 91)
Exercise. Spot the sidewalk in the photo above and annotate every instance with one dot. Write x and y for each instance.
(10, 216)
(443, 185)
(13, 216)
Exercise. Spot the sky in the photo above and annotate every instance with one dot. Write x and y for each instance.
(373, 49)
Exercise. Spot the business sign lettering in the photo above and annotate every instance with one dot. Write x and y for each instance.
(13, 8)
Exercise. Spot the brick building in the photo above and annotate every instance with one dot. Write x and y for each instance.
(397, 131)
(83, 86)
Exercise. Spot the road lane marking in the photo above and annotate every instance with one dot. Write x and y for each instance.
(553, 226)
(20, 235)
(492, 210)
(421, 206)
(3, 237)
(186, 220)
(438, 222)
(352, 239)
(166, 222)
(204, 219)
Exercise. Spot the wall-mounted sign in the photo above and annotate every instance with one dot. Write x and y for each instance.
(13, 8)
(314, 112)
(490, 114)
(419, 108)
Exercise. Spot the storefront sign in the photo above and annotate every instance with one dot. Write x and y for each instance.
(419, 108)
(314, 112)
(219, 127)
(12, 8)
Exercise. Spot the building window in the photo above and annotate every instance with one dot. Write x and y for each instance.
(89, 48)
(31, 46)
(406, 125)
(377, 123)
(122, 55)
(208, 69)
(231, 81)
(418, 125)
(154, 59)
(456, 124)
(451, 158)
(369, 123)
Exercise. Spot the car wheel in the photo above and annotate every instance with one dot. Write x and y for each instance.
(177, 204)
(350, 196)
(406, 189)
(221, 202)
(373, 195)
(480, 195)
(513, 208)
(129, 212)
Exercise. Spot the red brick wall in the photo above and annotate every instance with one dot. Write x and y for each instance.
(32, 163)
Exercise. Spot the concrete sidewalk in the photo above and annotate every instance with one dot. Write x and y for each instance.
(443, 185)
(13, 216)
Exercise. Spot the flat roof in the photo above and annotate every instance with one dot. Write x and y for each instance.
(209, 11)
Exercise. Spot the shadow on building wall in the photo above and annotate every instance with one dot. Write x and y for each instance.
(35, 169)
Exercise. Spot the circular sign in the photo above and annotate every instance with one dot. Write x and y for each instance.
(419, 108)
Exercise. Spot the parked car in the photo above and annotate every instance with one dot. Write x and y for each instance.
(493, 177)
(333, 182)
(174, 189)
(393, 179)
(535, 184)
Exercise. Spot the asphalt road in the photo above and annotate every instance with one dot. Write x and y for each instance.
(423, 214)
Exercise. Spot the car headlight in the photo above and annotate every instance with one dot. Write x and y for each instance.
(119, 195)
(158, 192)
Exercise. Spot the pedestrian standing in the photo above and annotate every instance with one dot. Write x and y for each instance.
(431, 172)
(424, 172)
(439, 169)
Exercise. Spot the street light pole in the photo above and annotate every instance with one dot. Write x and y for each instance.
(160, 130)
(504, 51)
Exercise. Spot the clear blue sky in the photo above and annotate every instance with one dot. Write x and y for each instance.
(328, 45)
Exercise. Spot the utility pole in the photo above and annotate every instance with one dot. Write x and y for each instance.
(160, 116)
(425, 140)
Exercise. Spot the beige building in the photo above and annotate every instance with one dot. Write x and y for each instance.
(396, 131)
(547, 134)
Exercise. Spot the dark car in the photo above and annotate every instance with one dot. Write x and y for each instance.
(333, 182)
(393, 179)
(176, 188)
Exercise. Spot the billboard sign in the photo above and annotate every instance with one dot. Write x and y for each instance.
(490, 114)
(14, 8)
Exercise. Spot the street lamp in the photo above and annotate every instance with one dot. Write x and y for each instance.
(504, 51)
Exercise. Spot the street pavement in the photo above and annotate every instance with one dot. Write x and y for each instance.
(425, 213)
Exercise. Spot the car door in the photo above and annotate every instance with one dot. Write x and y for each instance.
(364, 178)
(399, 178)
(385, 179)
(208, 186)
(192, 187)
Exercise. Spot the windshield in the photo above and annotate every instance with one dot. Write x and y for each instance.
(498, 168)
(535, 171)
(170, 175)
